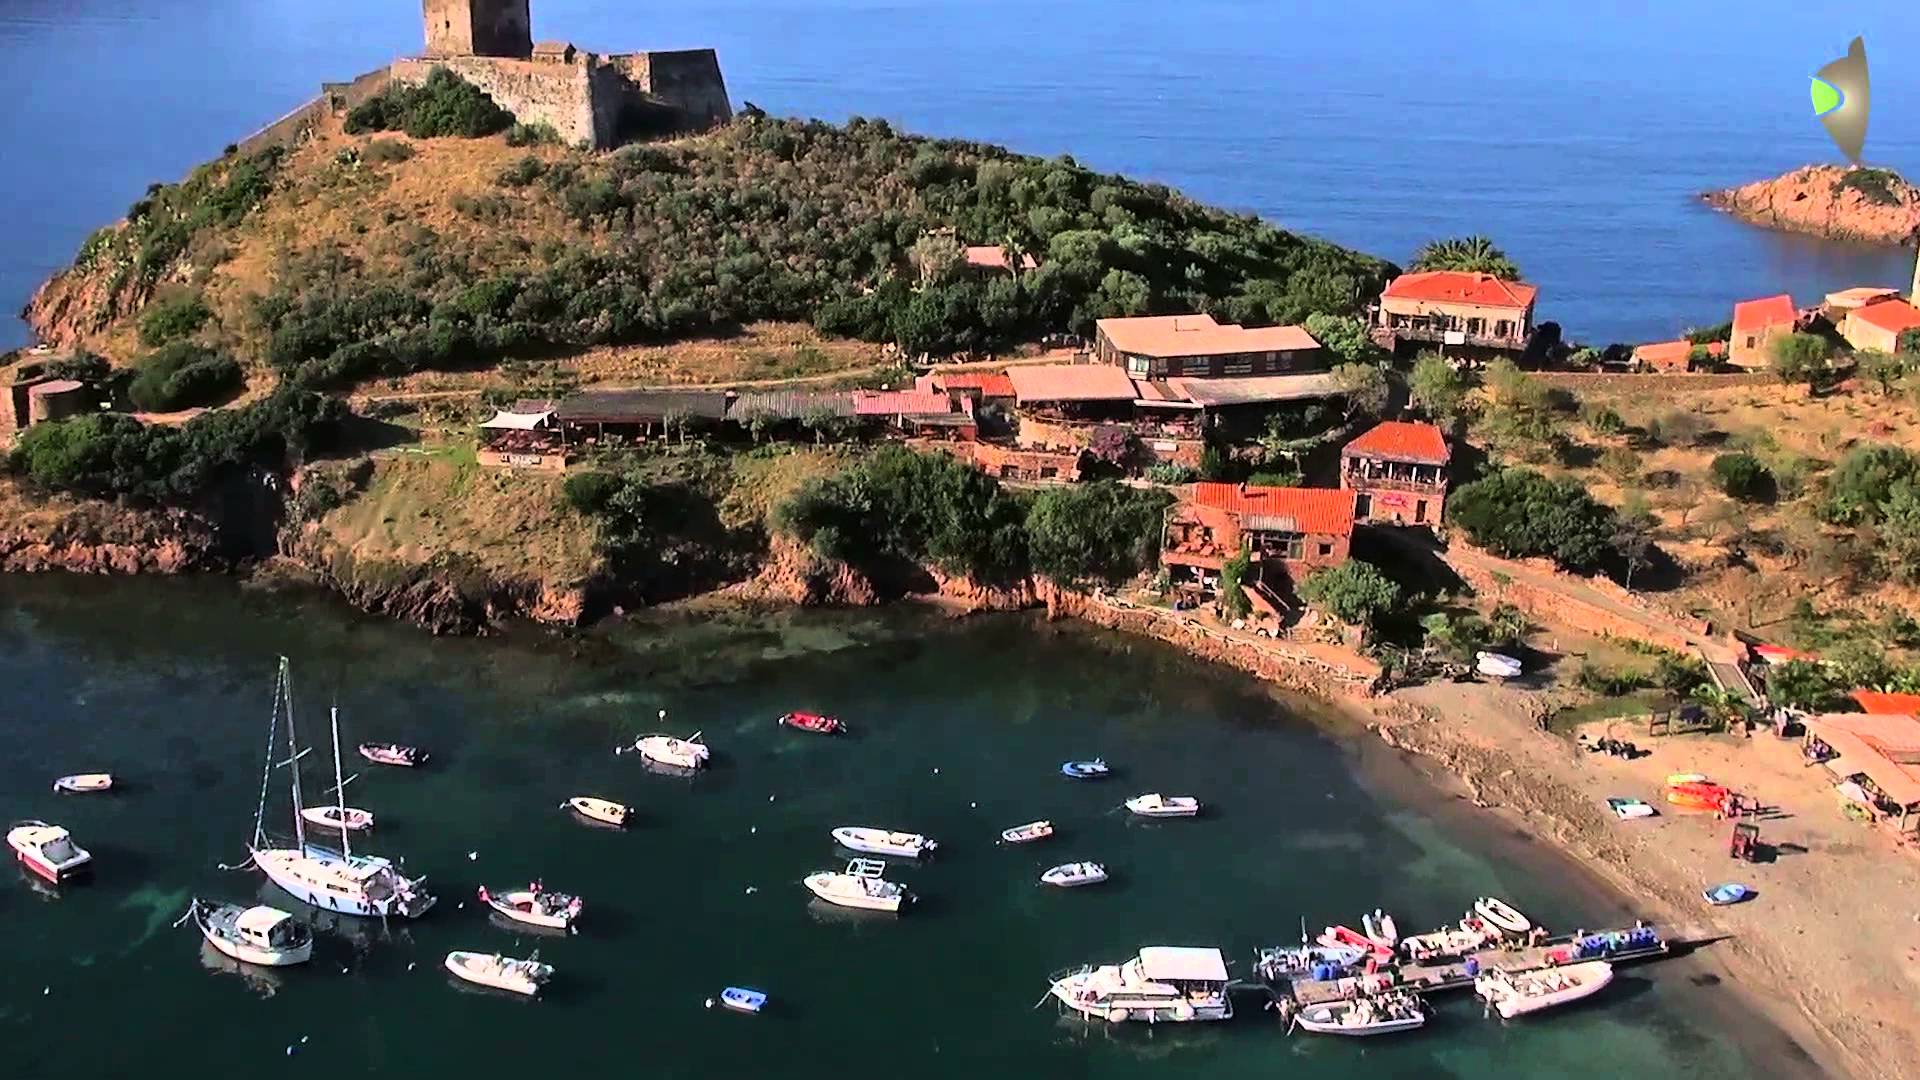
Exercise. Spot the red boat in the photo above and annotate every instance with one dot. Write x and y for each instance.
(817, 723)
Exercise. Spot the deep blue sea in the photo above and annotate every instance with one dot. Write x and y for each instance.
(1576, 135)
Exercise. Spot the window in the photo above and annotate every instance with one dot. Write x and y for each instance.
(1137, 366)
(1363, 506)
(1048, 472)
(1419, 511)
(1176, 367)
(1326, 548)
(1241, 364)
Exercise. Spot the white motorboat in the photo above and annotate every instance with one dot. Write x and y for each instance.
(883, 841)
(1533, 991)
(534, 905)
(1068, 875)
(84, 783)
(1446, 941)
(397, 754)
(1279, 963)
(1156, 805)
(1496, 665)
(1503, 915)
(500, 972)
(345, 818)
(48, 851)
(1381, 1014)
(1028, 833)
(862, 885)
(743, 999)
(1161, 984)
(337, 881)
(604, 811)
(259, 935)
(1381, 928)
(674, 753)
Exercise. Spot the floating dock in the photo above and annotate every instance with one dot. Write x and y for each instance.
(1452, 974)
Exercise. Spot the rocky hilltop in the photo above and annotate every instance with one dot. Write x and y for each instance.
(1874, 206)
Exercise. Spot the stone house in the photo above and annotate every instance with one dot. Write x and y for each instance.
(1288, 532)
(1755, 324)
(1398, 473)
(1454, 307)
(1879, 325)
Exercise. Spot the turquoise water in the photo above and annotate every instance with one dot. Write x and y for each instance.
(958, 731)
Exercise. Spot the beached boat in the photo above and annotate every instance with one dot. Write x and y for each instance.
(406, 757)
(1028, 833)
(1161, 985)
(500, 972)
(1096, 769)
(604, 811)
(817, 723)
(1503, 915)
(1335, 937)
(1496, 665)
(349, 818)
(1628, 809)
(1527, 992)
(1731, 892)
(862, 884)
(674, 753)
(84, 783)
(1155, 805)
(259, 935)
(48, 851)
(534, 905)
(1374, 1014)
(872, 841)
(742, 999)
(1069, 875)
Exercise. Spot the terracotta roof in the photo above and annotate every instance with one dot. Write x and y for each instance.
(990, 384)
(1199, 335)
(1070, 382)
(1763, 313)
(994, 257)
(1461, 287)
(1879, 703)
(1403, 441)
(1896, 316)
(900, 403)
(1316, 510)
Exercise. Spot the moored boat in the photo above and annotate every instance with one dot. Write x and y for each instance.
(1371, 1014)
(349, 818)
(818, 723)
(1070, 875)
(1155, 805)
(259, 935)
(1527, 992)
(604, 811)
(500, 972)
(1449, 941)
(873, 841)
(743, 999)
(1097, 769)
(1334, 937)
(534, 905)
(1503, 915)
(48, 851)
(1381, 928)
(1160, 985)
(84, 783)
(674, 753)
(406, 757)
(862, 884)
(1028, 833)
(1281, 963)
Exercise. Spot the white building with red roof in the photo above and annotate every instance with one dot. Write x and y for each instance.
(1455, 307)
(1197, 346)
(1398, 473)
(1879, 325)
(1755, 324)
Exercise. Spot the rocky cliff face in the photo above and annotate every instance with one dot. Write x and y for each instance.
(85, 537)
(73, 305)
(1872, 206)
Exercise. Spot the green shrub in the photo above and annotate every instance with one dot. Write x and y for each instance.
(589, 492)
(444, 106)
(1680, 674)
(1168, 473)
(1742, 476)
(1355, 592)
(1603, 420)
(1101, 531)
(173, 317)
(1518, 513)
(522, 172)
(386, 151)
(537, 134)
(182, 375)
(1881, 187)
(1609, 681)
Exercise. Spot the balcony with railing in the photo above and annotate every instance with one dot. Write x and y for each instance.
(1450, 330)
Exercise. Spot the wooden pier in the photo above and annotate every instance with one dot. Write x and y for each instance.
(1427, 978)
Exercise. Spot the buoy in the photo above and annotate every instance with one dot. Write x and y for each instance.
(752, 829)
(472, 855)
(709, 1003)
(769, 798)
(289, 1049)
(410, 967)
(45, 990)
(936, 770)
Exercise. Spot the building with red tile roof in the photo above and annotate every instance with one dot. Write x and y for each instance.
(1881, 703)
(981, 385)
(1196, 346)
(1879, 325)
(994, 257)
(1287, 531)
(1881, 754)
(1070, 383)
(1455, 307)
(1757, 322)
(1398, 473)
(1673, 356)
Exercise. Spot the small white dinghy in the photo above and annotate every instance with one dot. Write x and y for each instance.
(604, 811)
(1069, 875)
(48, 851)
(882, 841)
(1547, 988)
(534, 905)
(259, 935)
(347, 818)
(1496, 665)
(1155, 805)
(500, 972)
(1382, 1014)
(1028, 833)
(1503, 915)
(862, 885)
(84, 783)
(688, 753)
(1381, 928)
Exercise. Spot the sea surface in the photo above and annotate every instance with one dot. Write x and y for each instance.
(1575, 135)
(958, 729)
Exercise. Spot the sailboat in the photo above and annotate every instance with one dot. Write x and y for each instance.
(338, 881)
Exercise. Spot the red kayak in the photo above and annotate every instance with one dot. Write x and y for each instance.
(817, 723)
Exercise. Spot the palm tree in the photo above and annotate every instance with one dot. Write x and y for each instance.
(1474, 253)
(1722, 705)
(1014, 250)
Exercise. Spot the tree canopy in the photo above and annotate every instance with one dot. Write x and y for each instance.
(1102, 531)
(1354, 592)
(1519, 513)
(1471, 253)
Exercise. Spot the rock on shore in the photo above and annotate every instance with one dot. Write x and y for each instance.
(1875, 206)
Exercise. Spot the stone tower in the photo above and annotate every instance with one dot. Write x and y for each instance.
(478, 28)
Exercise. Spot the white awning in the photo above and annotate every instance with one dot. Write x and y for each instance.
(1163, 963)
(513, 421)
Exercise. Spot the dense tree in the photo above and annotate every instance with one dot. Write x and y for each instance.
(183, 375)
(1799, 357)
(1885, 370)
(1802, 684)
(1519, 513)
(1437, 389)
(1355, 592)
(444, 105)
(1234, 575)
(1742, 476)
(1365, 388)
(1344, 337)
(1864, 481)
(1473, 253)
(172, 318)
(1102, 531)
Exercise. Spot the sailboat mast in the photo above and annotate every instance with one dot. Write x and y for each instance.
(293, 763)
(266, 774)
(339, 785)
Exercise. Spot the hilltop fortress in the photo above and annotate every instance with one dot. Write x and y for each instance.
(599, 100)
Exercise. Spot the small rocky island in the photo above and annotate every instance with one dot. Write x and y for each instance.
(1868, 205)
